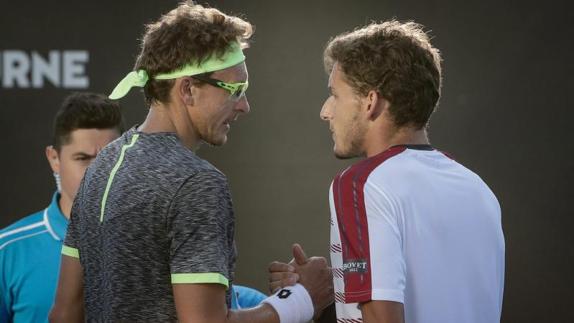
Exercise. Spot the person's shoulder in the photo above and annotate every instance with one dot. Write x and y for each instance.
(24, 223)
(168, 154)
(366, 166)
(193, 164)
(189, 172)
(200, 179)
(204, 175)
(357, 174)
(27, 227)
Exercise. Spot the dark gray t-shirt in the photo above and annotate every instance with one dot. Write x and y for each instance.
(149, 213)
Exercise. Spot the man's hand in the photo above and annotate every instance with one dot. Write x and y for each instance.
(313, 273)
(281, 275)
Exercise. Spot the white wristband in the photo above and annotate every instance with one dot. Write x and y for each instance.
(293, 304)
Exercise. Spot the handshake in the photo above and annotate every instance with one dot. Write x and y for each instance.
(312, 273)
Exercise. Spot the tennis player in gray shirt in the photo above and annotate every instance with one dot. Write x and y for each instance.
(151, 237)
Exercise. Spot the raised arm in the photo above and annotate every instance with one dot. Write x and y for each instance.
(206, 302)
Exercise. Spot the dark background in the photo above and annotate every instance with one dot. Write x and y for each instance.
(505, 113)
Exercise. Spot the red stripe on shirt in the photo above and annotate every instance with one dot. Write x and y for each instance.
(447, 154)
(348, 192)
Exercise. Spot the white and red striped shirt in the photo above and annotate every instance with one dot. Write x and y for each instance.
(413, 226)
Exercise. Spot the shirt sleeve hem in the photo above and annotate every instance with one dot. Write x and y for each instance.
(393, 295)
(199, 278)
(71, 252)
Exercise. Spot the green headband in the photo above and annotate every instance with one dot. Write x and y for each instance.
(139, 78)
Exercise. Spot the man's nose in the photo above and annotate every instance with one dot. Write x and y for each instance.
(243, 105)
(324, 114)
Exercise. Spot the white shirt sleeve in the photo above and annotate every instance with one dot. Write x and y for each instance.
(387, 263)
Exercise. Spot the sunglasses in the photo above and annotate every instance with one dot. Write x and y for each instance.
(237, 90)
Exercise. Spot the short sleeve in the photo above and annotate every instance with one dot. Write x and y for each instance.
(388, 266)
(366, 246)
(201, 229)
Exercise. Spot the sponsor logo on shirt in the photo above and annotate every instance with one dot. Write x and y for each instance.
(355, 266)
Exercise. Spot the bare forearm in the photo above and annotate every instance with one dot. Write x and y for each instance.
(261, 314)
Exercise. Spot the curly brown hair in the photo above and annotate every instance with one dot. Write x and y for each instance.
(188, 33)
(395, 59)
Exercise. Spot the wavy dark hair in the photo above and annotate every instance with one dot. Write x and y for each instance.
(395, 59)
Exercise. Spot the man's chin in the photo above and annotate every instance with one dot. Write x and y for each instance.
(343, 154)
(218, 141)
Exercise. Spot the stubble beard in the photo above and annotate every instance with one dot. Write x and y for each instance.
(354, 139)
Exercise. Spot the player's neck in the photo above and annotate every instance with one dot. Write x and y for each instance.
(170, 118)
(377, 142)
(65, 205)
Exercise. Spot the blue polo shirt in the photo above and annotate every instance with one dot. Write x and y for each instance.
(30, 265)
(244, 297)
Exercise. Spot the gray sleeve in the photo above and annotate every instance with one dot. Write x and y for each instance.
(201, 226)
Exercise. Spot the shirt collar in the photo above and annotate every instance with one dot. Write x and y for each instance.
(56, 222)
(415, 146)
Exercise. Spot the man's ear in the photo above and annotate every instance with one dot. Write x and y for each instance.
(53, 158)
(184, 87)
(375, 104)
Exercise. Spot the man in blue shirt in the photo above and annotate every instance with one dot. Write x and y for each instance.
(30, 248)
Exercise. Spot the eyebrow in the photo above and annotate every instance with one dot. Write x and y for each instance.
(83, 154)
